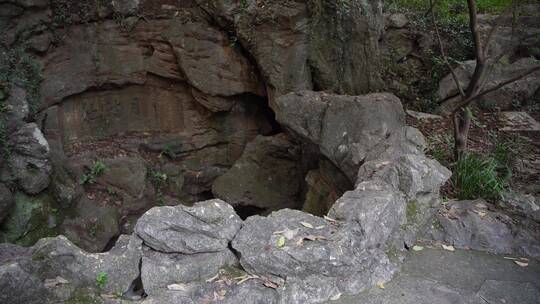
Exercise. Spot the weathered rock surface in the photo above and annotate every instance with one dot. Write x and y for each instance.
(59, 257)
(91, 225)
(206, 227)
(160, 270)
(30, 219)
(267, 176)
(56, 271)
(474, 225)
(516, 36)
(345, 128)
(19, 286)
(224, 293)
(291, 43)
(29, 158)
(283, 246)
(520, 204)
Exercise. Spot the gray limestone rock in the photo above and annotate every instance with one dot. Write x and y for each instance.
(346, 128)
(289, 246)
(473, 224)
(29, 158)
(53, 257)
(160, 270)
(206, 227)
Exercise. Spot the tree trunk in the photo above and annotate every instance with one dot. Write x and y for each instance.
(462, 123)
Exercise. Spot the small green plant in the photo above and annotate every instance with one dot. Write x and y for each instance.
(167, 151)
(158, 180)
(96, 170)
(101, 280)
(111, 191)
(478, 177)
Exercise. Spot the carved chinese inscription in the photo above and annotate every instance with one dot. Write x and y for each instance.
(95, 115)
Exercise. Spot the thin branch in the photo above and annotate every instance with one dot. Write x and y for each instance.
(475, 85)
(470, 99)
(441, 48)
(473, 24)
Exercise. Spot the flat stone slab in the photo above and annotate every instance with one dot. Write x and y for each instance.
(439, 276)
(519, 121)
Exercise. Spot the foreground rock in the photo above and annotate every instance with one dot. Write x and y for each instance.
(56, 270)
(267, 176)
(479, 226)
(206, 227)
(160, 270)
(314, 259)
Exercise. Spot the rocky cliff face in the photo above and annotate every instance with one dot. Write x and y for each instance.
(164, 94)
(113, 110)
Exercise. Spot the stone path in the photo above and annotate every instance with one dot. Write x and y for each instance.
(435, 276)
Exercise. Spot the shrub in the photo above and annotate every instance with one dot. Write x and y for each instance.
(478, 177)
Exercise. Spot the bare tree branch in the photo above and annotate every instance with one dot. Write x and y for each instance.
(465, 102)
(441, 48)
(479, 71)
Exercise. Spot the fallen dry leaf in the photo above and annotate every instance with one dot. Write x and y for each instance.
(417, 248)
(49, 283)
(212, 279)
(281, 241)
(335, 297)
(177, 287)
(380, 285)
(522, 264)
(307, 225)
(270, 284)
(449, 247)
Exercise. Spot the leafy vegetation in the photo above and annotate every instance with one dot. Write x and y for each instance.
(19, 68)
(96, 170)
(101, 280)
(478, 176)
(158, 180)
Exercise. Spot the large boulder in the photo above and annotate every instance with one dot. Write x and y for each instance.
(56, 271)
(289, 246)
(29, 158)
(53, 257)
(346, 128)
(267, 176)
(476, 225)
(206, 227)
